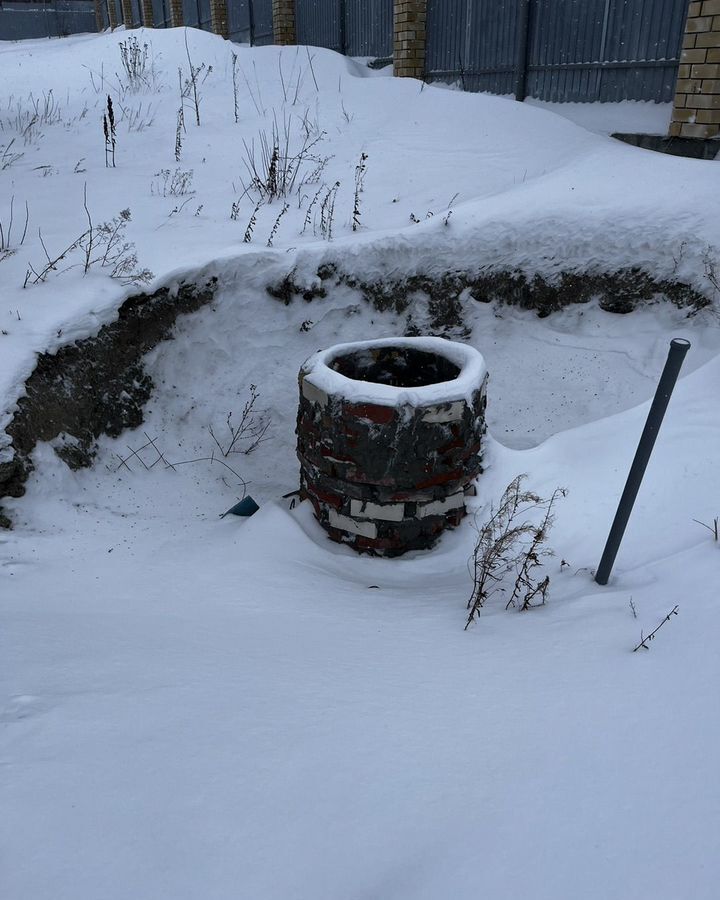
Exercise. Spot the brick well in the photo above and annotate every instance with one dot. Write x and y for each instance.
(389, 437)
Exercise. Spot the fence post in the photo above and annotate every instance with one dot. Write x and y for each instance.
(127, 13)
(283, 15)
(112, 14)
(522, 52)
(148, 16)
(251, 23)
(409, 35)
(219, 17)
(99, 18)
(696, 110)
(177, 17)
(342, 16)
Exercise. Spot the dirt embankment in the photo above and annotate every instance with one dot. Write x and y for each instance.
(94, 386)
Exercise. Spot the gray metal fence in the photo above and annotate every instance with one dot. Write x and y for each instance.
(161, 13)
(250, 21)
(20, 19)
(355, 27)
(561, 50)
(474, 43)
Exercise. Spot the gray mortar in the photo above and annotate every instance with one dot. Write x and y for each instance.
(94, 386)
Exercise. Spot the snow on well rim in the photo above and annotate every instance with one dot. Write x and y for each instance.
(317, 371)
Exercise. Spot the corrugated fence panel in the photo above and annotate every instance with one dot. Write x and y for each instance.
(369, 28)
(136, 13)
(240, 21)
(643, 39)
(473, 42)
(19, 21)
(262, 21)
(355, 27)
(446, 31)
(197, 14)
(566, 41)
(161, 13)
(608, 50)
(491, 46)
(250, 21)
(319, 23)
(578, 50)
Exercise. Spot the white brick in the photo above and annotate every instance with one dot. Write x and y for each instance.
(344, 523)
(314, 394)
(440, 507)
(388, 512)
(447, 412)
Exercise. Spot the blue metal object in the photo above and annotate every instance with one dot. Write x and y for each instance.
(246, 507)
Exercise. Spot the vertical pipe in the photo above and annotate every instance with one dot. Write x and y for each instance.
(678, 348)
(342, 24)
(603, 51)
(251, 23)
(522, 50)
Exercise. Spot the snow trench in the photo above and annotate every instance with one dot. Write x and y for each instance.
(99, 385)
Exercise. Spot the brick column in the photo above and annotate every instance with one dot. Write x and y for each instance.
(177, 19)
(696, 111)
(409, 21)
(127, 13)
(112, 15)
(219, 17)
(99, 17)
(283, 14)
(148, 17)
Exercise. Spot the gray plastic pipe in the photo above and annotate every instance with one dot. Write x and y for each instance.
(678, 349)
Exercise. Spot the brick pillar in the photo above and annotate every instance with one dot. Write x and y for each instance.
(219, 17)
(112, 15)
(177, 19)
(127, 13)
(409, 21)
(148, 17)
(283, 14)
(696, 112)
(99, 17)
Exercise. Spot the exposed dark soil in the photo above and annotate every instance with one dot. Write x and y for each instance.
(621, 291)
(94, 386)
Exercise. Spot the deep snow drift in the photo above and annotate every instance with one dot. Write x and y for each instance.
(195, 707)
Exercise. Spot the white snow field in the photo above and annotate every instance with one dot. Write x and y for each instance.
(195, 707)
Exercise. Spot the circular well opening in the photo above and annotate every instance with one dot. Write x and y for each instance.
(401, 367)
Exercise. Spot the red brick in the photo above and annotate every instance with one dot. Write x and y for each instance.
(442, 478)
(326, 497)
(379, 415)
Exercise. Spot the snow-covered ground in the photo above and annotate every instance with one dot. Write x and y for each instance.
(628, 116)
(195, 707)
